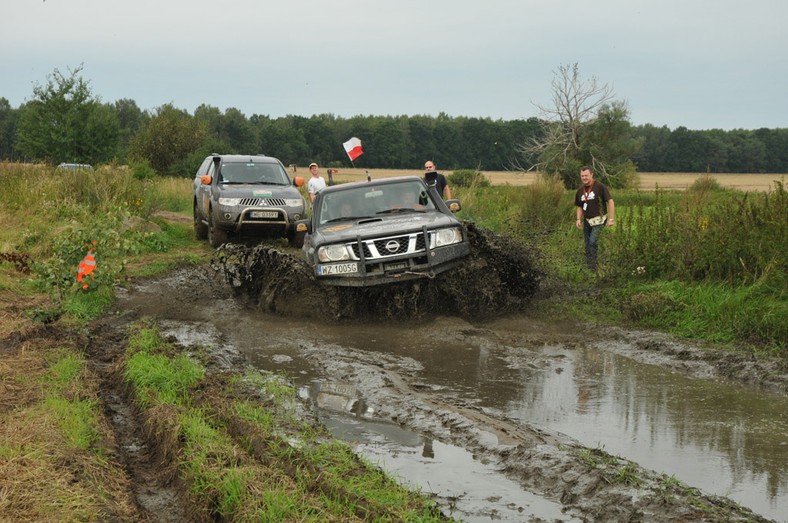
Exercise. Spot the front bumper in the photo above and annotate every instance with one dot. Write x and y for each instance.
(258, 221)
(425, 264)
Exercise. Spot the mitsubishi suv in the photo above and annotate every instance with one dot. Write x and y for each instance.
(238, 195)
(382, 231)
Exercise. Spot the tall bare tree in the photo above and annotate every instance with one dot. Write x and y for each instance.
(583, 125)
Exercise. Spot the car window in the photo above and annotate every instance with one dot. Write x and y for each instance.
(204, 167)
(253, 172)
(364, 201)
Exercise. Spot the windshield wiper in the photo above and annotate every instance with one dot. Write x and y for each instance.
(346, 218)
(400, 209)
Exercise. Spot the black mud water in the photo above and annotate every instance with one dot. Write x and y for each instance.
(451, 386)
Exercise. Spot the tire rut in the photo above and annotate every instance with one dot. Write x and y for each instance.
(158, 494)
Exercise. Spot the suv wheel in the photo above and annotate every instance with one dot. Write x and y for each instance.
(216, 236)
(200, 229)
(295, 239)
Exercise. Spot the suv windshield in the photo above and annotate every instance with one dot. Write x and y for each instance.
(253, 172)
(364, 201)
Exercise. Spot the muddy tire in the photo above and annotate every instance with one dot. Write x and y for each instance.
(200, 229)
(216, 236)
(295, 239)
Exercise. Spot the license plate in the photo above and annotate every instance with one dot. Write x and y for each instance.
(264, 214)
(396, 266)
(337, 268)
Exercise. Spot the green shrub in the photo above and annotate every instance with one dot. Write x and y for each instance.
(468, 178)
(142, 170)
(545, 206)
(705, 183)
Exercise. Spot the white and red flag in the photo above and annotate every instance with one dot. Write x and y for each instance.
(353, 148)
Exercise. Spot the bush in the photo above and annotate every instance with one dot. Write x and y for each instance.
(705, 183)
(468, 178)
(545, 206)
(142, 170)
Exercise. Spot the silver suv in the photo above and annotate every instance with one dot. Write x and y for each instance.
(382, 231)
(246, 196)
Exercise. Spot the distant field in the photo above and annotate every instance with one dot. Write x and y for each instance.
(648, 181)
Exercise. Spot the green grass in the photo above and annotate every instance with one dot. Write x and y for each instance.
(702, 263)
(243, 453)
(160, 379)
(711, 311)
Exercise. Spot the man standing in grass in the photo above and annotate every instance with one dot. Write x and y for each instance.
(593, 200)
(316, 183)
(435, 179)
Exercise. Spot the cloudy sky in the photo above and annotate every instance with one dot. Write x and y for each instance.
(701, 64)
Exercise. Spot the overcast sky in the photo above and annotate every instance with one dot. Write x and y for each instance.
(701, 64)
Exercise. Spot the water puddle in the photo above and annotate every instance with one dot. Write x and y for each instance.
(726, 439)
(466, 488)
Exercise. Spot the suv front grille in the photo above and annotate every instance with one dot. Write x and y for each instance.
(378, 248)
(263, 202)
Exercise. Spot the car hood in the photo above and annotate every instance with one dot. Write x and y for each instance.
(382, 226)
(256, 190)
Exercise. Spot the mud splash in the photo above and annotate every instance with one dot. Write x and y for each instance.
(499, 275)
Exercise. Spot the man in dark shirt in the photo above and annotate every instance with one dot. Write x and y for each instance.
(435, 179)
(591, 200)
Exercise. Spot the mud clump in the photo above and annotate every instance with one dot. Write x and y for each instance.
(500, 275)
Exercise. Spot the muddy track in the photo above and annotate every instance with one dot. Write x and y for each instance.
(157, 491)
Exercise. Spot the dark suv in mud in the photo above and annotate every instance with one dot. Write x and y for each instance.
(382, 231)
(246, 195)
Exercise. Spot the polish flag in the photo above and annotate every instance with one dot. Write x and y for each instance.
(353, 148)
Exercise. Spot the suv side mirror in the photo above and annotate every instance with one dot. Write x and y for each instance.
(298, 181)
(205, 179)
(302, 226)
(454, 205)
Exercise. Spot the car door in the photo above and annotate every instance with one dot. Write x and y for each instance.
(205, 202)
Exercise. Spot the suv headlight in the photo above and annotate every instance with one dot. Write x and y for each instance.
(229, 202)
(294, 202)
(443, 237)
(332, 253)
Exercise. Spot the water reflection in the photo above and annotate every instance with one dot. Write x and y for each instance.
(724, 438)
(727, 439)
(465, 488)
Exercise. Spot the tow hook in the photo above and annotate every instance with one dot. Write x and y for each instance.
(429, 275)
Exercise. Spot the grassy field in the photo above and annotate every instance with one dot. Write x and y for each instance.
(648, 181)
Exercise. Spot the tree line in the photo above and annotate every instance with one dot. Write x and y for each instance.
(65, 122)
